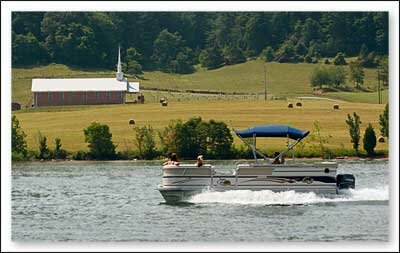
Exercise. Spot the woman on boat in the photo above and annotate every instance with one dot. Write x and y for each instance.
(173, 160)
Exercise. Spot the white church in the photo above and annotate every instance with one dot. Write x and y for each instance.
(83, 91)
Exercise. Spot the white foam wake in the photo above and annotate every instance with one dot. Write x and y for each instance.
(267, 197)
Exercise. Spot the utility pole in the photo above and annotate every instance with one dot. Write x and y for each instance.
(265, 83)
(379, 86)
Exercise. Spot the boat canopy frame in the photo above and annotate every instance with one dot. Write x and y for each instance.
(271, 131)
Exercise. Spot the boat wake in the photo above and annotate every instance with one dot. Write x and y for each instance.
(267, 197)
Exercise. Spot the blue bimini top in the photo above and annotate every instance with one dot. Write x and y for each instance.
(273, 131)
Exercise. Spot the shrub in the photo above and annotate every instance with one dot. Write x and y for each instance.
(58, 152)
(100, 144)
(18, 142)
(354, 129)
(327, 61)
(44, 152)
(211, 58)
(369, 140)
(80, 155)
(308, 59)
(339, 59)
(268, 54)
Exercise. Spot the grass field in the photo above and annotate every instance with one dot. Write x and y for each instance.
(68, 122)
(284, 80)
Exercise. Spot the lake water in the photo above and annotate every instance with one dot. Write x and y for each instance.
(118, 201)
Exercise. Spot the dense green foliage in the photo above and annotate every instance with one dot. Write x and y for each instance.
(175, 41)
(369, 140)
(44, 151)
(18, 142)
(100, 142)
(58, 152)
(356, 73)
(195, 136)
(145, 142)
(339, 59)
(354, 129)
(384, 121)
(328, 75)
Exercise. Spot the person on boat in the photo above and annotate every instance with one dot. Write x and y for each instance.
(173, 160)
(276, 160)
(199, 161)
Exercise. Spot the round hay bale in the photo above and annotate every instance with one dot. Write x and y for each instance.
(131, 122)
(290, 105)
(336, 106)
(381, 139)
(165, 103)
(299, 104)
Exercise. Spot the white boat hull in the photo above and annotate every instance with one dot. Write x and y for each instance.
(179, 183)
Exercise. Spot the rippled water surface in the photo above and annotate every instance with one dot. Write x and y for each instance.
(118, 201)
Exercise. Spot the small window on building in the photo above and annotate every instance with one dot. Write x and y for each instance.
(62, 96)
(49, 96)
(84, 96)
(108, 95)
(97, 95)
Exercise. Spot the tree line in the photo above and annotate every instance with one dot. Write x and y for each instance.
(188, 139)
(176, 41)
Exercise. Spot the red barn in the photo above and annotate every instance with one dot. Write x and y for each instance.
(82, 91)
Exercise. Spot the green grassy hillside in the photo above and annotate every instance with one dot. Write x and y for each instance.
(284, 80)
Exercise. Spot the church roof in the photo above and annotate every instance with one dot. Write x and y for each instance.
(83, 84)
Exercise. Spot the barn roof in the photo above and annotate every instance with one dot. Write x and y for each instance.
(83, 84)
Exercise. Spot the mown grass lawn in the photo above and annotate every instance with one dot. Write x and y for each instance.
(68, 122)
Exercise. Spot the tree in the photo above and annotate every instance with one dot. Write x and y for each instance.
(384, 121)
(356, 73)
(27, 50)
(191, 138)
(211, 58)
(337, 75)
(220, 139)
(339, 59)
(18, 142)
(267, 54)
(133, 59)
(133, 68)
(170, 54)
(44, 152)
(354, 129)
(369, 140)
(100, 142)
(75, 44)
(383, 71)
(58, 152)
(286, 52)
(233, 55)
(320, 76)
(144, 141)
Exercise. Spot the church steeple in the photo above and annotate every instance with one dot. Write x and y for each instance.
(119, 75)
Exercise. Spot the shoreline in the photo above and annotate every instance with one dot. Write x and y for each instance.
(338, 159)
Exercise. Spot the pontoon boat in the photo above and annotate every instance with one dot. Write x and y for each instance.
(183, 181)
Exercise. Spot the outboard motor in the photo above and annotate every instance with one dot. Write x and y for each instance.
(345, 181)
